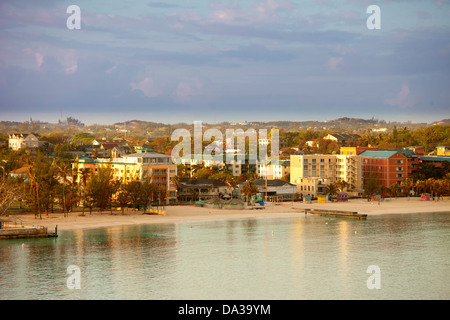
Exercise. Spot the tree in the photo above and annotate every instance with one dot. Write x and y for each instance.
(42, 182)
(393, 190)
(84, 176)
(371, 186)
(123, 197)
(148, 193)
(342, 185)
(11, 190)
(102, 188)
(331, 190)
(249, 189)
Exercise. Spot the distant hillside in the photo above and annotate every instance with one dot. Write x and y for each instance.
(444, 122)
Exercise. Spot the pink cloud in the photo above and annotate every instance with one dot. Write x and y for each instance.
(188, 88)
(333, 63)
(403, 99)
(148, 87)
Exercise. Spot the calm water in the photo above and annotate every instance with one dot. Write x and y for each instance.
(286, 258)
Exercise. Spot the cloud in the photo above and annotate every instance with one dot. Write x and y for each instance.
(333, 63)
(187, 89)
(148, 87)
(403, 99)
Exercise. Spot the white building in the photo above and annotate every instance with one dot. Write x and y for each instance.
(277, 169)
(18, 141)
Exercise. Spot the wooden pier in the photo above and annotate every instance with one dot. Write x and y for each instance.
(336, 213)
(27, 232)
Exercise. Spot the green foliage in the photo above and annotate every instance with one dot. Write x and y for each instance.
(82, 138)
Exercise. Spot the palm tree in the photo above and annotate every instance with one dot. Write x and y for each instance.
(176, 181)
(331, 190)
(249, 189)
(62, 171)
(84, 174)
(342, 185)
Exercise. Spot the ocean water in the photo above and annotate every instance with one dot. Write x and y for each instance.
(309, 257)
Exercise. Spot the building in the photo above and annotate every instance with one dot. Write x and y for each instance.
(388, 167)
(121, 151)
(136, 167)
(18, 141)
(311, 187)
(418, 150)
(341, 138)
(277, 190)
(276, 169)
(355, 151)
(443, 151)
(319, 169)
(191, 189)
(116, 141)
(235, 166)
(437, 161)
(23, 173)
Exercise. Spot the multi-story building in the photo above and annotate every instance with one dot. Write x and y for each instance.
(135, 167)
(311, 187)
(18, 141)
(276, 169)
(327, 169)
(388, 167)
(355, 151)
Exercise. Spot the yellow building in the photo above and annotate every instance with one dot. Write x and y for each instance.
(443, 151)
(355, 151)
(317, 170)
(135, 167)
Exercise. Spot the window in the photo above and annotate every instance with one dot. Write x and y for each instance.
(399, 169)
(399, 162)
(399, 175)
(322, 160)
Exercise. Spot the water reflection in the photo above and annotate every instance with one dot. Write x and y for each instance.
(287, 258)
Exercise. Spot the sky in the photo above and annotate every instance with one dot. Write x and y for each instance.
(206, 60)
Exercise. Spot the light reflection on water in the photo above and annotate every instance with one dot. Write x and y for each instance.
(286, 258)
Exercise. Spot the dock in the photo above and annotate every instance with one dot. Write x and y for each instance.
(27, 232)
(336, 213)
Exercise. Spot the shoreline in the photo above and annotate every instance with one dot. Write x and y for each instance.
(190, 213)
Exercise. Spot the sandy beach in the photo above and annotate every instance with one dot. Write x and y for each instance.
(180, 214)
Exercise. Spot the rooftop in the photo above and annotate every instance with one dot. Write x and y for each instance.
(273, 183)
(146, 155)
(380, 154)
(435, 158)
